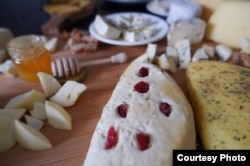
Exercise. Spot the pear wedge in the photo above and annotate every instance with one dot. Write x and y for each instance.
(30, 138)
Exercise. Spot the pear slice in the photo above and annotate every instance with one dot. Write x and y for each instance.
(39, 111)
(49, 84)
(58, 117)
(7, 138)
(68, 93)
(13, 113)
(29, 137)
(33, 122)
(26, 100)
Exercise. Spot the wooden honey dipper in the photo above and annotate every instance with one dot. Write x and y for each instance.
(68, 66)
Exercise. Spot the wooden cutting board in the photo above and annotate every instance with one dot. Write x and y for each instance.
(70, 147)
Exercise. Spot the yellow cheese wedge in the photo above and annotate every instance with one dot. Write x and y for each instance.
(229, 22)
(220, 96)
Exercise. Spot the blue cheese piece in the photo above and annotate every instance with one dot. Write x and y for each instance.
(184, 52)
(224, 52)
(105, 29)
(200, 54)
(192, 29)
(182, 10)
(171, 52)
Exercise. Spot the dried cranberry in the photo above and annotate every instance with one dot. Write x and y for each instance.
(122, 110)
(143, 72)
(141, 87)
(143, 141)
(112, 138)
(165, 108)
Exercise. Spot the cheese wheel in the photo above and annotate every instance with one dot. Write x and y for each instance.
(146, 118)
(220, 96)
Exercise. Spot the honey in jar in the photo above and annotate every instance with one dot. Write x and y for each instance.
(30, 56)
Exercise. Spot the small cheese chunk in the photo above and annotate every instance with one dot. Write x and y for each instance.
(132, 36)
(192, 29)
(13, 113)
(184, 52)
(199, 54)
(229, 23)
(167, 63)
(105, 29)
(245, 45)
(209, 50)
(171, 52)
(224, 52)
(38, 111)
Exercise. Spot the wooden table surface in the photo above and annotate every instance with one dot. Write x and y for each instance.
(70, 147)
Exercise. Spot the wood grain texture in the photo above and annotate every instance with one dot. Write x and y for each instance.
(70, 147)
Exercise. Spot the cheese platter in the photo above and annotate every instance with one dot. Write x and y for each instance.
(71, 147)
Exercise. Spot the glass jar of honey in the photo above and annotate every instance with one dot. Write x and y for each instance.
(30, 56)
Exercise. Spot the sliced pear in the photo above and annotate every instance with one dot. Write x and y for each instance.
(68, 93)
(13, 113)
(30, 138)
(33, 122)
(49, 84)
(26, 100)
(58, 117)
(39, 111)
(7, 138)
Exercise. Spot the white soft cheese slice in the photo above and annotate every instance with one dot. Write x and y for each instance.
(105, 29)
(192, 29)
(176, 131)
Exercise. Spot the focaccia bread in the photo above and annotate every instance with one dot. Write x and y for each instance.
(146, 118)
(220, 96)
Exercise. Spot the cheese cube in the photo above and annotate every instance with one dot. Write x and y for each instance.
(199, 54)
(132, 36)
(8, 68)
(192, 29)
(229, 23)
(245, 45)
(219, 93)
(105, 29)
(223, 51)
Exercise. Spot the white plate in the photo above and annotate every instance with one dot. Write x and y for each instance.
(158, 10)
(160, 24)
(129, 1)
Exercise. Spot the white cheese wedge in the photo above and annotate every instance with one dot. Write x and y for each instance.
(105, 29)
(143, 119)
(229, 22)
(184, 52)
(51, 44)
(192, 29)
(183, 9)
(224, 52)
